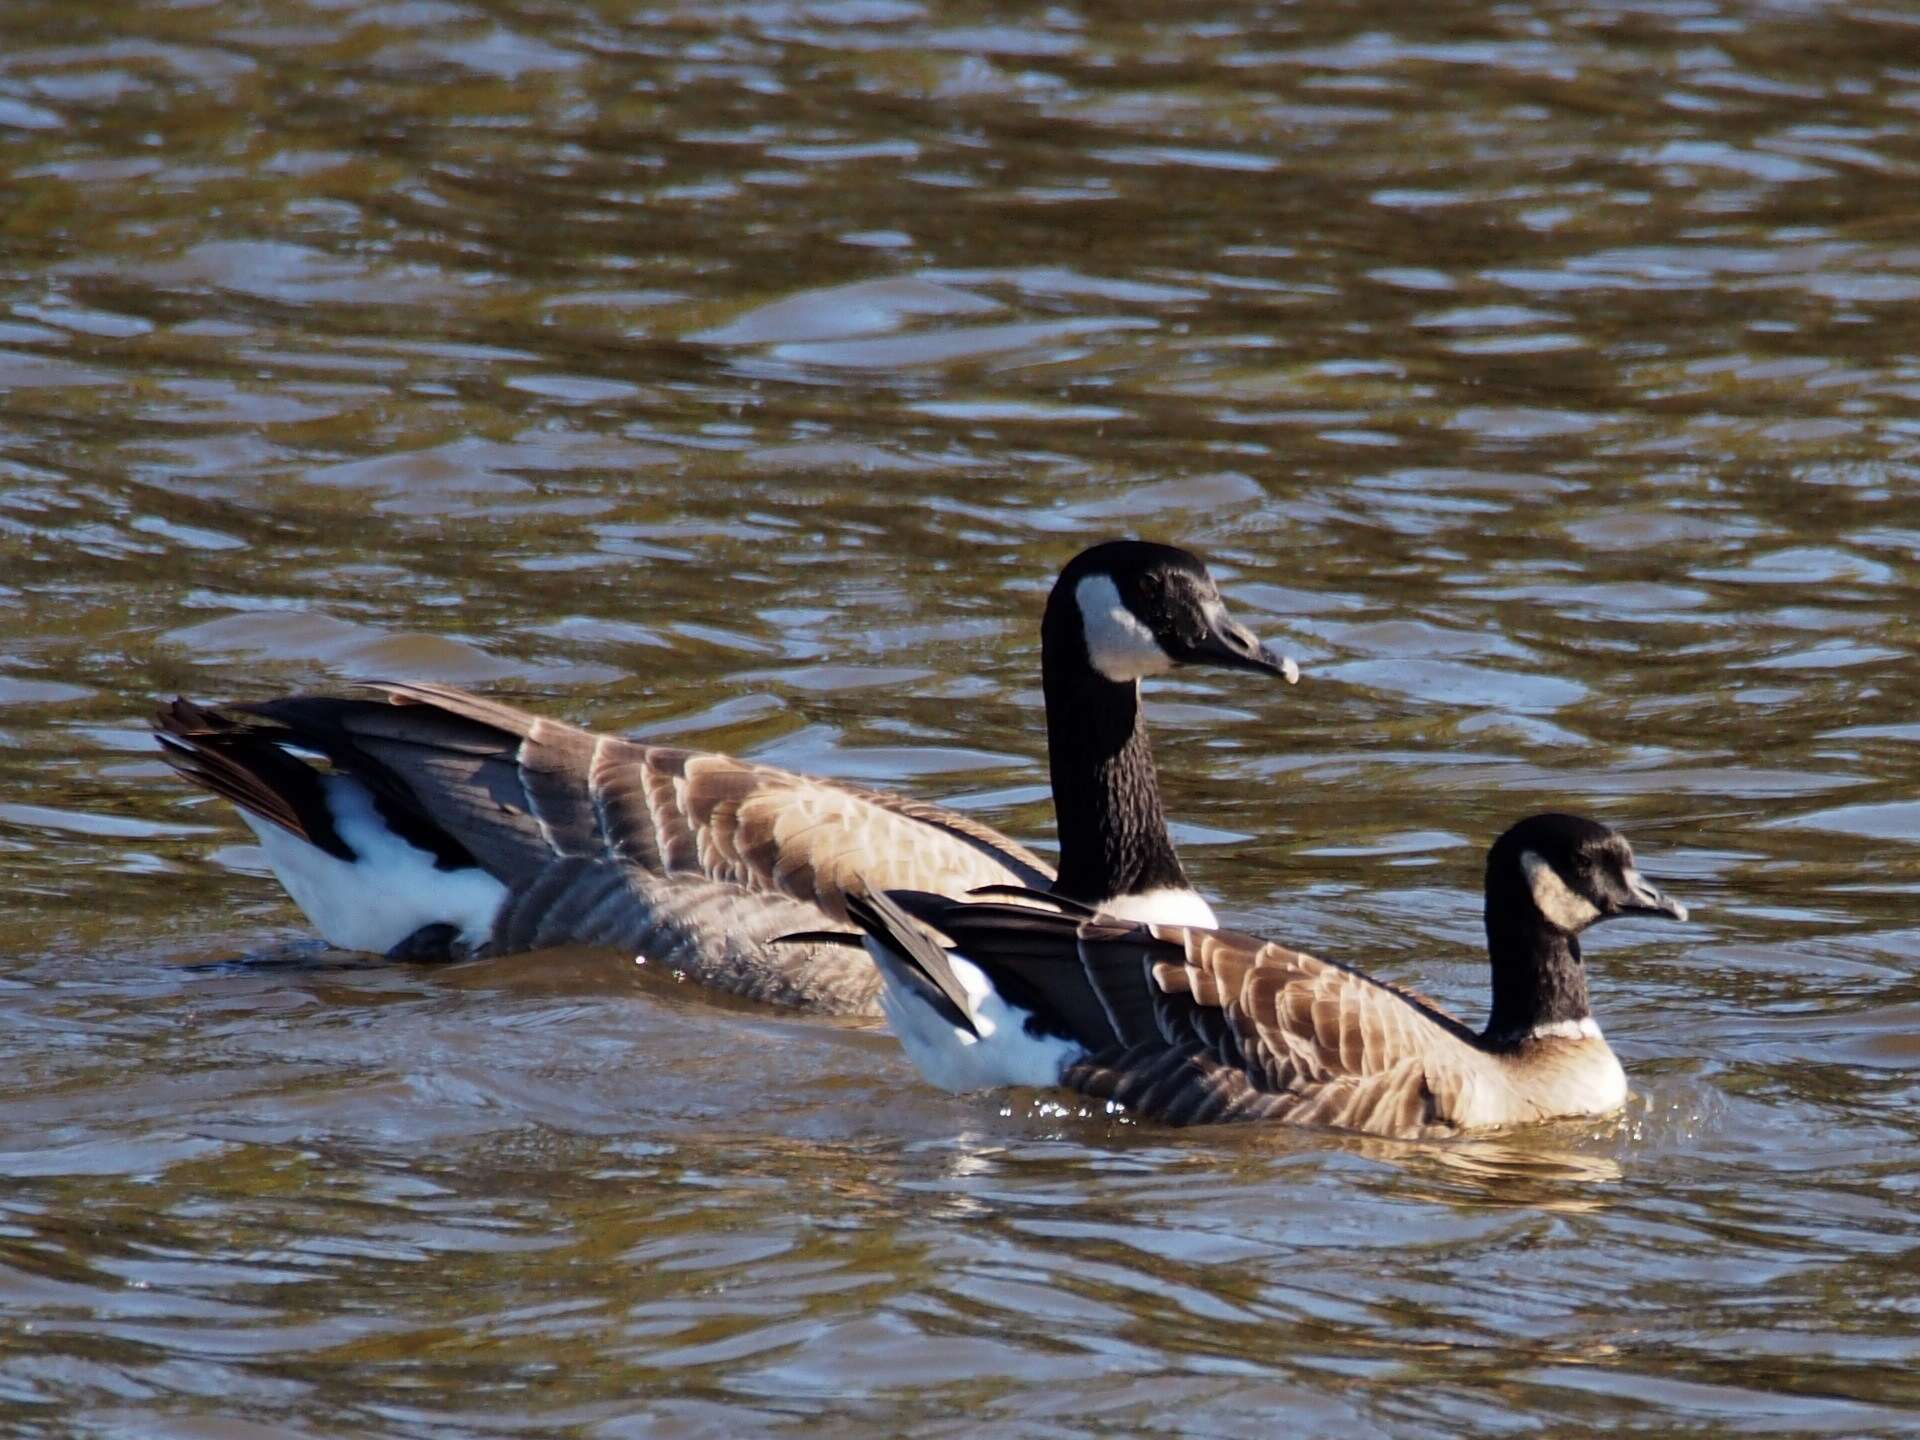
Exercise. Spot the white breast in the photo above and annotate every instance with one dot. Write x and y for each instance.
(1584, 1078)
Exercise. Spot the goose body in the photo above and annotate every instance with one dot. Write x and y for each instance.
(425, 822)
(1190, 1025)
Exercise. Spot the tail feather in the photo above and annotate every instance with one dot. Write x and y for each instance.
(351, 723)
(1080, 977)
(242, 766)
(344, 833)
(242, 753)
(447, 780)
(476, 710)
(909, 955)
(965, 1028)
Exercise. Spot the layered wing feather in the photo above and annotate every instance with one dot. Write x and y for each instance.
(674, 812)
(1248, 1029)
(1194, 1026)
(698, 861)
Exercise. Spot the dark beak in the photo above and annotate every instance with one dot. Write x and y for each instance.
(1233, 647)
(1648, 901)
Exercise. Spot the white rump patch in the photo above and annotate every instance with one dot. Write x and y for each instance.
(1119, 646)
(956, 1059)
(389, 891)
(1556, 899)
(1166, 906)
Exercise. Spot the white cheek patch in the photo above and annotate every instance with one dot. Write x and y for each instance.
(1118, 645)
(1555, 897)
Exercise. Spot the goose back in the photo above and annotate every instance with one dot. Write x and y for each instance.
(520, 790)
(694, 861)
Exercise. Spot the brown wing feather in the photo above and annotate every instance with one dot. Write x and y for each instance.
(680, 812)
(522, 795)
(1253, 1030)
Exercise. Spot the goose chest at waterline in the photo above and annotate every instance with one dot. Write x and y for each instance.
(425, 822)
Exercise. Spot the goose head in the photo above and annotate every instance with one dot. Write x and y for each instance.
(1570, 872)
(1140, 609)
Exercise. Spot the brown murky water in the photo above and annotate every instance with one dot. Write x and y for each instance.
(1545, 376)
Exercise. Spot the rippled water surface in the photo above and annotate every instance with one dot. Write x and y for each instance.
(1544, 376)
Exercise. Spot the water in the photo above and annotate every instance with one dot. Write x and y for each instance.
(1543, 376)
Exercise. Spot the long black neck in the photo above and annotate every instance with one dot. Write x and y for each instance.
(1538, 977)
(1106, 796)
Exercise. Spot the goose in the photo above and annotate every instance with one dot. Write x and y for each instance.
(1188, 1025)
(427, 823)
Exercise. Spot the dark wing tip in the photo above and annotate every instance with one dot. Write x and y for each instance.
(234, 759)
(909, 953)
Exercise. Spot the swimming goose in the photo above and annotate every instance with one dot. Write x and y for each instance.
(445, 824)
(1191, 1025)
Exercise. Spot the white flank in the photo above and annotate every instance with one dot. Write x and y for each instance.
(1556, 899)
(1119, 646)
(956, 1059)
(391, 890)
(1168, 906)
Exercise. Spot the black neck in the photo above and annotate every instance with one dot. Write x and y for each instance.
(1106, 796)
(1538, 978)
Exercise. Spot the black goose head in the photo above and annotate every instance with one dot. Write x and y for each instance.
(1571, 872)
(1138, 609)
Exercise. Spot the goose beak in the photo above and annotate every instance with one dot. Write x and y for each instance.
(1234, 647)
(1649, 901)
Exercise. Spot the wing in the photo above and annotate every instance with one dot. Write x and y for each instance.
(1246, 1029)
(1031, 954)
(519, 792)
